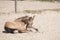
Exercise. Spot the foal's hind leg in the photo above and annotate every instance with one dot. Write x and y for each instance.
(8, 30)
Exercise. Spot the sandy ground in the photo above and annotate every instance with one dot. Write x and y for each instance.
(48, 24)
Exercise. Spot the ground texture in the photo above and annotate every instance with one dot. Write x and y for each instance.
(48, 24)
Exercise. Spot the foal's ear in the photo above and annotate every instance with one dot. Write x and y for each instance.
(33, 17)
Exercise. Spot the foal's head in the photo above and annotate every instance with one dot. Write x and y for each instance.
(30, 21)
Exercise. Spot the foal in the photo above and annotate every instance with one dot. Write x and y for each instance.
(27, 20)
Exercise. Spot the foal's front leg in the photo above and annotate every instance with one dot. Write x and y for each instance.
(23, 31)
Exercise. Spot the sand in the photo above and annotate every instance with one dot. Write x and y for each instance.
(47, 22)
